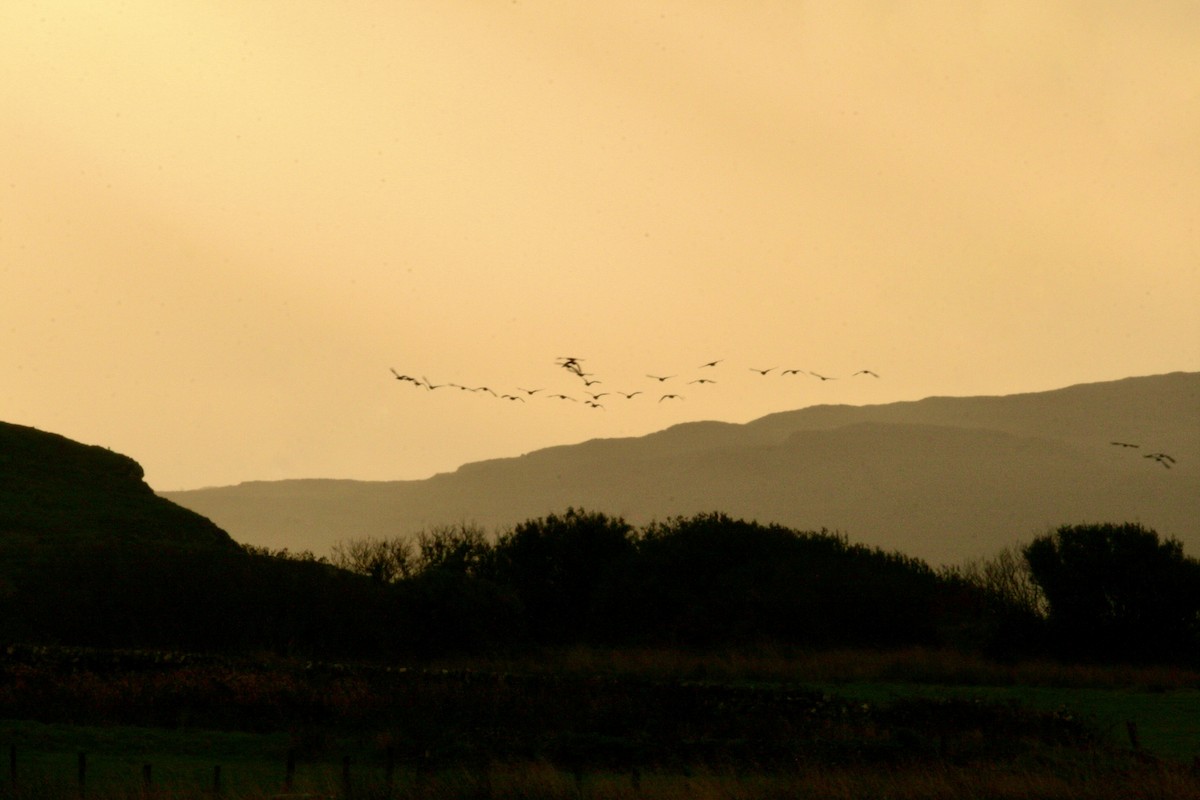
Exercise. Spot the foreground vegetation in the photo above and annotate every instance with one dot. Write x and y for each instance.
(576, 656)
(594, 723)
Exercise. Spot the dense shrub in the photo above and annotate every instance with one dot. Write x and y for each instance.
(1118, 592)
(557, 566)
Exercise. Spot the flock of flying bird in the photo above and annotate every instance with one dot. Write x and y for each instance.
(592, 399)
(1161, 458)
(574, 366)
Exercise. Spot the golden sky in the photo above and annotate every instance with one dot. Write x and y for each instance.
(221, 223)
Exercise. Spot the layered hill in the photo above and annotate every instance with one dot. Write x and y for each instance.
(944, 478)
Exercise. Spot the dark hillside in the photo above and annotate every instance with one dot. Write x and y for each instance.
(53, 487)
(90, 555)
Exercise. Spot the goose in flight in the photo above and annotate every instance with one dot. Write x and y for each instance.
(761, 371)
(629, 395)
(528, 391)
(400, 377)
(711, 363)
(430, 385)
(866, 372)
(1124, 444)
(562, 397)
(670, 397)
(571, 364)
(822, 377)
(792, 372)
(660, 378)
(1161, 458)
(702, 380)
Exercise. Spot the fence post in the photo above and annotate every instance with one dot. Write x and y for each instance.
(291, 770)
(12, 766)
(147, 780)
(82, 774)
(217, 780)
(346, 776)
(1131, 729)
(389, 770)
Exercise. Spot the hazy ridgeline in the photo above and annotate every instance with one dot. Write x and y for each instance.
(1094, 592)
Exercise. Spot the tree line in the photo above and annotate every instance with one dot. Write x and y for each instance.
(1107, 592)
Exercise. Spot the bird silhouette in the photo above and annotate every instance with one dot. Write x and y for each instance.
(1161, 458)
(761, 371)
(629, 395)
(711, 363)
(792, 372)
(430, 385)
(400, 377)
(529, 391)
(1124, 444)
(822, 377)
(702, 380)
(571, 364)
(660, 378)
(562, 397)
(670, 397)
(865, 372)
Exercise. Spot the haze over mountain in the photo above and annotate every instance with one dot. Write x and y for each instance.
(944, 478)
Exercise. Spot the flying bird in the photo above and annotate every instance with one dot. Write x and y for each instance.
(702, 380)
(562, 397)
(792, 372)
(660, 378)
(1124, 444)
(865, 372)
(629, 395)
(400, 377)
(1161, 458)
(528, 391)
(670, 396)
(430, 385)
(822, 377)
(711, 363)
(761, 371)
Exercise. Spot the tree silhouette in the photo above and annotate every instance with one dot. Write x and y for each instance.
(1118, 592)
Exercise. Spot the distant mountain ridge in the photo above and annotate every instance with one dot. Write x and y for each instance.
(944, 478)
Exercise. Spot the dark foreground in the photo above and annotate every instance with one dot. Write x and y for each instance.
(122, 723)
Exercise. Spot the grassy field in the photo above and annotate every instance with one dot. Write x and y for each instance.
(612, 724)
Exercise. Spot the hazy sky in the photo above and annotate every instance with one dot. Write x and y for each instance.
(222, 222)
